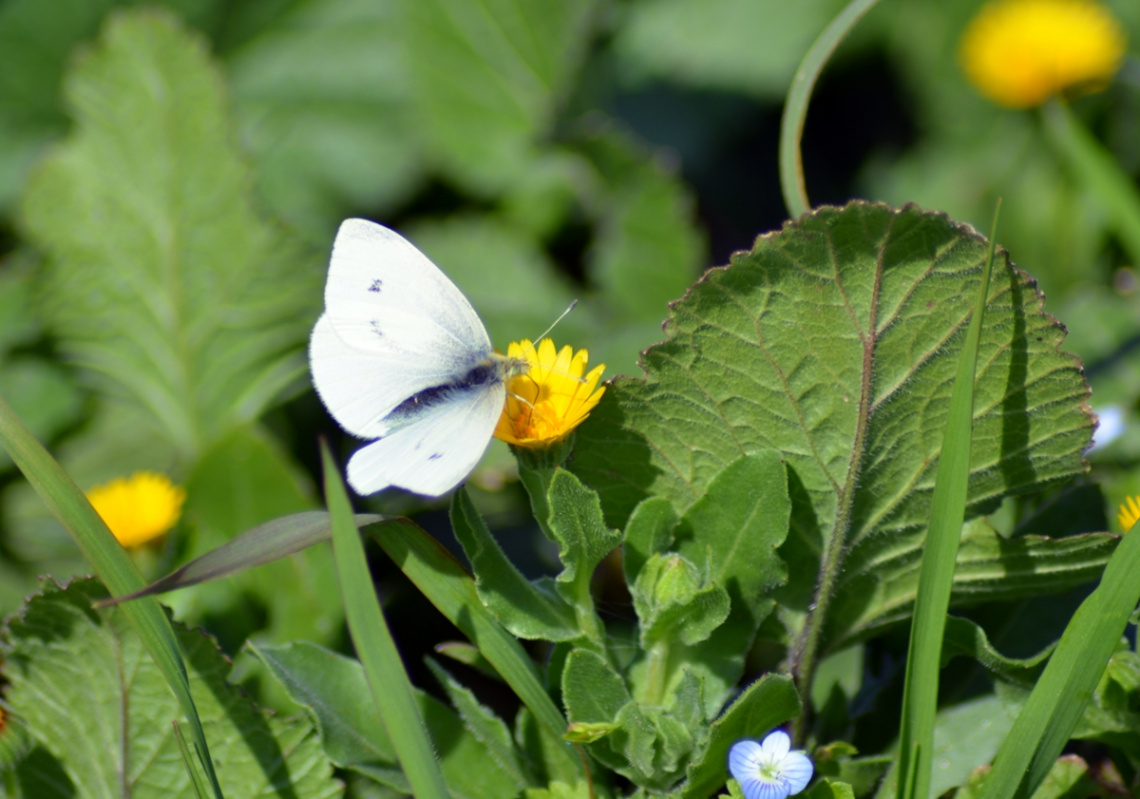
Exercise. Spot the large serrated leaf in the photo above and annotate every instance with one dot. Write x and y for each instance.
(876, 591)
(835, 341)
(83, 684)
(163, 281)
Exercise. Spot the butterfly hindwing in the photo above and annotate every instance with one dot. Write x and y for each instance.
(436, 449)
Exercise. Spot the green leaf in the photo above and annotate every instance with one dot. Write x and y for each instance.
(549, 755)
(835, 342)
(561, 790)
(38, 776)
(634, 739)
(880, 582)
(649, 531)
(41, 394)
(18, 325)
(468, 655)
(731, 533)
(324, 102)
(966, 736)
(594, 695)
(728, 45)
(67, 662)
(671, 602)
(765, 704)
(963, 637)
(576, 523)
(488, 79)
(529, 610)
(71, 509)
(163, 282)
(263, 544)
(330, 685)
(1059, 699)
(241, 484)
(1068, 778)
(830, 789)
(487, 728)
(440, 578)
(593, 691)
(647, 249)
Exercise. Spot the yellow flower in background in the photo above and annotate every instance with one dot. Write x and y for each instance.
(138, 508)
(1129, 514)
(551, 398)
(1020, 53)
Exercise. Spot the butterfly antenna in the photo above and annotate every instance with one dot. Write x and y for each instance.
(561, 316)
(534, 342)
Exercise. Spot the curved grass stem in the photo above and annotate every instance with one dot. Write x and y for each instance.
(799, 94)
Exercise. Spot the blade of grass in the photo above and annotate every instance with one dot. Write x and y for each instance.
(110, 561)
(263, 544)
(1091, 164)
(388, 682)
(1066, 686)
(796, 105)
(448, 586)
(188, 760)
(936, 578)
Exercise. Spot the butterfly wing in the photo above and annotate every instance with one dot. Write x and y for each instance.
(393, 326)
(436, 449)
(385, 296)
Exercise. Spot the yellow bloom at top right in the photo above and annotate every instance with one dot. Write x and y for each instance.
(1019, 53)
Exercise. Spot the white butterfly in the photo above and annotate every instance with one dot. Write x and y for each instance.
(401, 356)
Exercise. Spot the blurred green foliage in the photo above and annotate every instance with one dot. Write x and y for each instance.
(171, 177)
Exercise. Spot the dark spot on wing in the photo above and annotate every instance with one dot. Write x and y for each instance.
(435, 456)
(375, 325)
(375, 287)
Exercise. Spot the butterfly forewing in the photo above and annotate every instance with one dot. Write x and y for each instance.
(385, 296)
(360, 391)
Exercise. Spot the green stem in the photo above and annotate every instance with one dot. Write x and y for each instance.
(588, 621)
(1091, 164)
(799, 94)
(804, 656)
(806, 652)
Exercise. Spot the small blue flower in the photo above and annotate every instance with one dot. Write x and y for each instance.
(769, 769)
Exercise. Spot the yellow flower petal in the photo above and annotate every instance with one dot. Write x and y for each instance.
(552, 397)
(138, 508)
(1129, 514)
(1020, 53)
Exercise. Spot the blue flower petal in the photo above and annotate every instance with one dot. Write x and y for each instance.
(763, 789)
(796, 771)
(744, 760)
(776, 746)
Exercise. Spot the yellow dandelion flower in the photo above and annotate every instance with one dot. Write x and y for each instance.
(1129, 513)
(138, 508)
(1020, 53)
(551, 398)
